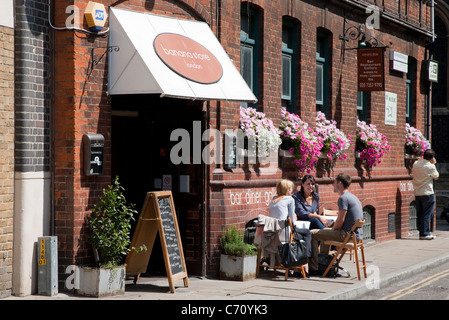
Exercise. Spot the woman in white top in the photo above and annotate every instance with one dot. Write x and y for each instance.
(282, 206)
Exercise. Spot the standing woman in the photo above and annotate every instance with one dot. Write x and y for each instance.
(307, 203)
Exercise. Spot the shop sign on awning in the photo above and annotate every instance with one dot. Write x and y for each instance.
(171, 57)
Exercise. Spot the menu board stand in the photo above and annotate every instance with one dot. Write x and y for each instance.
(158, 215)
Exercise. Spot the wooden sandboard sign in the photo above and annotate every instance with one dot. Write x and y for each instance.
(158, 215)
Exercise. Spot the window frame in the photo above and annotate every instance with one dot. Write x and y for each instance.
(322, 59)
(290, 50)
(250, 39)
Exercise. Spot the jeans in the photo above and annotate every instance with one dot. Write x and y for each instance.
(315, 223)
(425, 206)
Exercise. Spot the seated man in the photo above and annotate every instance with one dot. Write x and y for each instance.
(349, 210)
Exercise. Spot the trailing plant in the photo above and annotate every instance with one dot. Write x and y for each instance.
(231, 243)
(415, 143)
(110, 224)
(335, 142)
(305, 144)
(256, 126)
(371, 144)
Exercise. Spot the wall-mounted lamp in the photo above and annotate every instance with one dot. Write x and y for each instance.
(352, 32)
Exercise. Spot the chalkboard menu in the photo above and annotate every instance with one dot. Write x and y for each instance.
(158, 216)
(171, 238)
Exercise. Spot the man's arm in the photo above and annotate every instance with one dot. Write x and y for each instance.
(340, 219)
(434, 174)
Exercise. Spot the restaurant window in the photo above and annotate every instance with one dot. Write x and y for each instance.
(289, 53)
(248, 48)
(409, 88)
(362, 105)
(322, 70)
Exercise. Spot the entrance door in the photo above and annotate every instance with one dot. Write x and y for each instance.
(141, 129)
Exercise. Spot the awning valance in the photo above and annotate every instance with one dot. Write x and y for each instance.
(172, 57)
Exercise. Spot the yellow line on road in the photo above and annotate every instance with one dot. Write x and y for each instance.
(410, 289)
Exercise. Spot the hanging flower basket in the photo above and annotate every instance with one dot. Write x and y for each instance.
(415, 143)
(305, 145)
(334, 141)
(371, 144)
(263, 137)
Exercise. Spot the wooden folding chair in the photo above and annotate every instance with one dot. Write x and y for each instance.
(349, 243)
(261, 263)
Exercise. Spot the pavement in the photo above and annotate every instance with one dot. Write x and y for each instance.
(387, 262)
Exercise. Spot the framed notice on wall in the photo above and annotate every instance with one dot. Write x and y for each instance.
(370, 69)
(391, 106)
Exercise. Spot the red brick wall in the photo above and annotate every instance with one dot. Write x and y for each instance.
(81, 106)
(386, 187)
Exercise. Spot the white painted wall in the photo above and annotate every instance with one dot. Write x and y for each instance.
(7, 13)
(31, 220)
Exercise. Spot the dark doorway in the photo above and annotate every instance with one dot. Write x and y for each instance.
(141, 129)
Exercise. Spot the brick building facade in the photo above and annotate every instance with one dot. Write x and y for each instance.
(137, 127)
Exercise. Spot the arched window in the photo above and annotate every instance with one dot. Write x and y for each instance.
(323, 59)
(290, 30)
(250, 39)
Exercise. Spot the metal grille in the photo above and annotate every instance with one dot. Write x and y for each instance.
(413, 217)
(368, 226)
(392, 222)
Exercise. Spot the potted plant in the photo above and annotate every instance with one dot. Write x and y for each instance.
(238, 260)
(110, 225)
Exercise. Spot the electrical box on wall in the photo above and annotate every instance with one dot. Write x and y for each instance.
(95, 15)
(47, 266)
(93, 154)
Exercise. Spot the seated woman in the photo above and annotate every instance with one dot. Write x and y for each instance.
(282, 206)
(307, 203)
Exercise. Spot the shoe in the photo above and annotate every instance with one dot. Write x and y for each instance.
(429, 237)
(314, 273)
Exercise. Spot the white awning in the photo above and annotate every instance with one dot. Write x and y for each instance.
(172, 57)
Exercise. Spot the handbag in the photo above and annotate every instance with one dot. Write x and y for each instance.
(323, 263)
(293, 254)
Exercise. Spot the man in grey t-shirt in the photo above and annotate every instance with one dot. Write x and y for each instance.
(349, 210)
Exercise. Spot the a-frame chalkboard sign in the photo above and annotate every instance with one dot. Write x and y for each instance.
(158, 215)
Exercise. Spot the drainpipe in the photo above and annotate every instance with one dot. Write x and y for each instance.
(429, 96)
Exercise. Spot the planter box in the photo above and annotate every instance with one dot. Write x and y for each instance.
(238, 268)
(101, 282)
